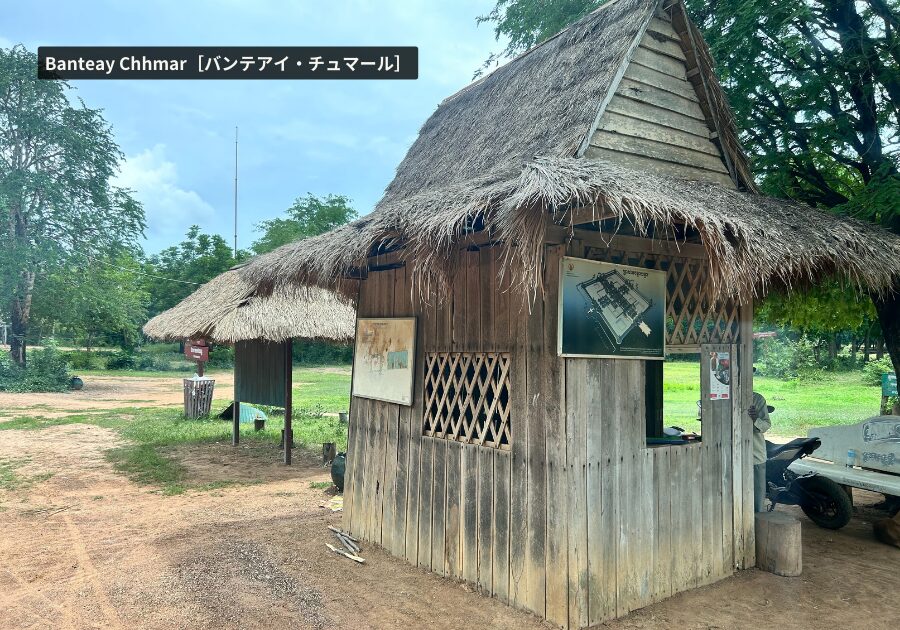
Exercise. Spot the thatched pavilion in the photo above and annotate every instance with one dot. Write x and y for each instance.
(227, 310)
(527, 471)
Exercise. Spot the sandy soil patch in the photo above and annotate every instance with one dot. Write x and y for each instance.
(108, 392)
(84, 547)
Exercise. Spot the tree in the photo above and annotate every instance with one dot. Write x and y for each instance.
(56, 199)
(100, 300)
(177, 271)
(815, 86)
(308, 216)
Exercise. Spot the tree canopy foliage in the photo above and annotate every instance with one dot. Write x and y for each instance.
(56, 197)
(308, 216)
(177, 271)
(815, 88)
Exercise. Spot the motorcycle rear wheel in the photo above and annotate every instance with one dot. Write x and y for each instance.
(830, 506)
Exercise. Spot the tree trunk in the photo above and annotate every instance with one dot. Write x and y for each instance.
(888, 309)
(20, 314)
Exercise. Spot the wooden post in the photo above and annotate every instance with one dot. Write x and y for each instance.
(288, 431)
(236, 423)
(236, 408)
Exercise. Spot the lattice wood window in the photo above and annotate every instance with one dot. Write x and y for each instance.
(467, 397)
(692, 317)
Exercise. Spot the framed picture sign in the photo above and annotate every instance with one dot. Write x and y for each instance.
(383, 359)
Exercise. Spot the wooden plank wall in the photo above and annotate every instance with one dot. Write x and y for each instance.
(654, 121)
(579, 521)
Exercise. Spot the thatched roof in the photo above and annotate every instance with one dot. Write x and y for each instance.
(505, 152)
(226, 309)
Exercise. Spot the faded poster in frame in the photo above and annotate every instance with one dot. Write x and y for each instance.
(383, 359)
(719, 376)
(611, 311)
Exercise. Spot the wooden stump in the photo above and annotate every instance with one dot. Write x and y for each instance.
(779, 547)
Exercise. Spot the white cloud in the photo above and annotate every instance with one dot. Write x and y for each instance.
(170, 209)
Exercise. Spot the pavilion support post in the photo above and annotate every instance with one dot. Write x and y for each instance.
(288, 403)
(236, 422)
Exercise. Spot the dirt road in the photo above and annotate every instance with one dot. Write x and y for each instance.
(84, 547)
(108, 392)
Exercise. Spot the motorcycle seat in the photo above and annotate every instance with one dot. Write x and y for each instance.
(806, 444)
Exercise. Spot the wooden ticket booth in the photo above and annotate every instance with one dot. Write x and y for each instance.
(485, 449)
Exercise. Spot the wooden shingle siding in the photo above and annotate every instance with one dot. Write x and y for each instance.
(655, 120)
(578, 521)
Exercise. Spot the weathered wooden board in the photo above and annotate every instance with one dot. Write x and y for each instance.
(553, 393)
(660, 80)
(598, 553)
(501, 510)
(648, 111)
(659, 151)
(485, 552)
(536, 472)
(664, 63)
(649, 130)
(518, 479)
(669, 169)
(577, 412)
(662, 99)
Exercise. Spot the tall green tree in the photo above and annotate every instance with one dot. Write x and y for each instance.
(308, 216)
(56, 199)
(815, 87)
(99, 300)
(177, 271)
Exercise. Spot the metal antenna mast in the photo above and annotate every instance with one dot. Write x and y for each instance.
(235, 188)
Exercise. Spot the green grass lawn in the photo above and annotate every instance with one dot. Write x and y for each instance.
(153, 434)
(838, 398)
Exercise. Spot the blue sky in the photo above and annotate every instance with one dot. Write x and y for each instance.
(295, 137)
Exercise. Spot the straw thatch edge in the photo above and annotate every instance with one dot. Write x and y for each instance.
(227, 309)
(753, 241)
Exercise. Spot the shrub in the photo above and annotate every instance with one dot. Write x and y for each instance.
(80, 360)
(221, 357)
(322, 353)
(46, 371)
(153, 363)
(121, 360)
(784, 358)
(873, 370)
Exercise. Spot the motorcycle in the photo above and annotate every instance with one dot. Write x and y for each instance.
(825, 502)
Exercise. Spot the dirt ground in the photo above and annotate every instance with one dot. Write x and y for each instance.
(84, 547)
(108, 392)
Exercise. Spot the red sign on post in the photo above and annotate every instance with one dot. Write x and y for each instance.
(197, 353)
